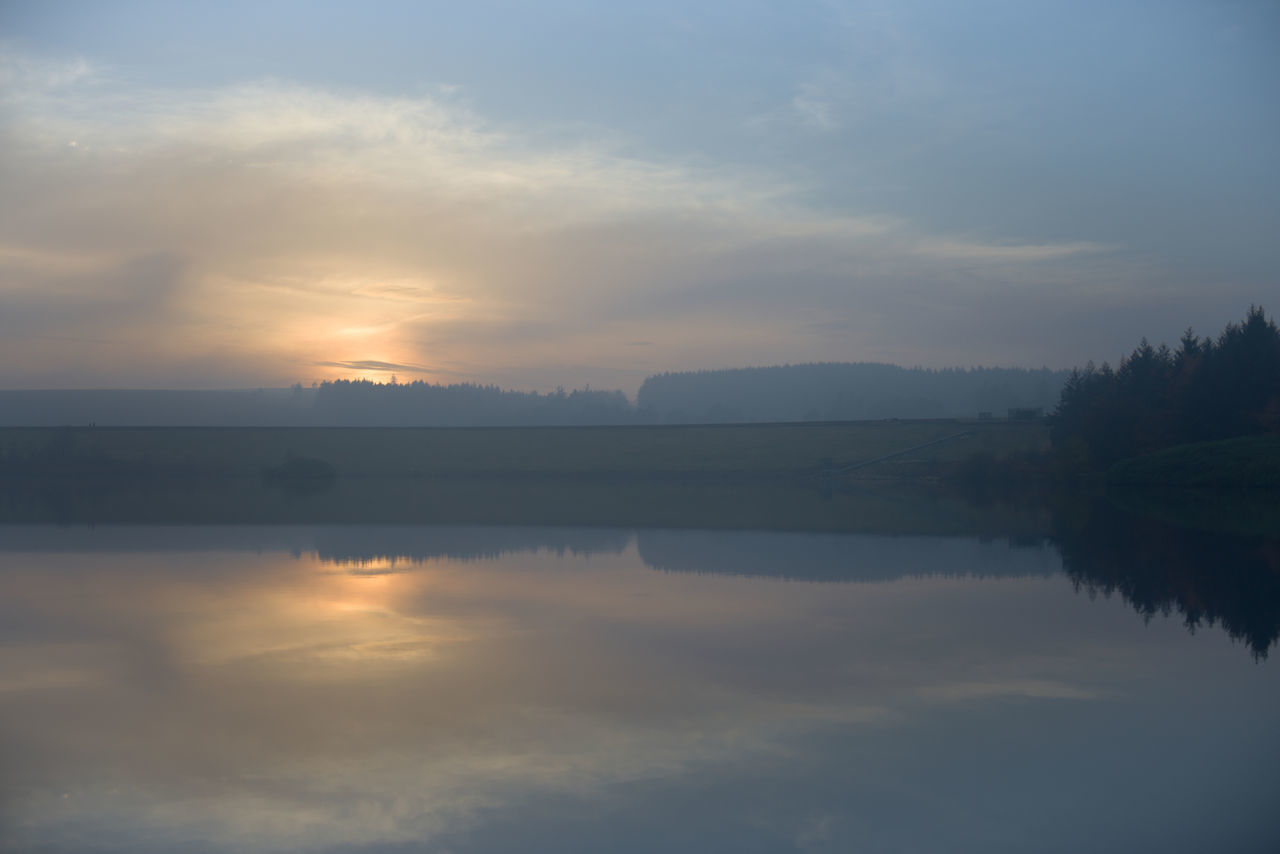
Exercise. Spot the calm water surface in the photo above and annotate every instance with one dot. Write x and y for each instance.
(460, 689)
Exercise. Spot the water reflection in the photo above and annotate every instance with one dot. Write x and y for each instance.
(471, 689)
(1207, 575)
(793, 555)
(1210, 576)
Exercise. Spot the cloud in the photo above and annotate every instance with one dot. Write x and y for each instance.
(321, 231)
(24, 76)
(952, 692)
(814, 109)
(372, 365)
(1002, 252)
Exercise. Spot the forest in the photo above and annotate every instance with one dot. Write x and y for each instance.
(1208, 389)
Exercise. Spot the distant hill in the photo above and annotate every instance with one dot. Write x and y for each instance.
(839, 391)
(817, 392)
(338, 404)
(272, 407)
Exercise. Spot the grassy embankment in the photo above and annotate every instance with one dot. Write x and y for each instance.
(740, 476)
(747, 450)
(881, 508)
(1247, 461)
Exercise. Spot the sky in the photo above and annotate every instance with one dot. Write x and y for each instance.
(565, 193)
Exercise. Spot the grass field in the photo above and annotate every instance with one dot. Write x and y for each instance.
(790, 505)
(1248, 461)
(758, 450)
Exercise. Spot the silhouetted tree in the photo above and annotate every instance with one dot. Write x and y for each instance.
(1157, 397)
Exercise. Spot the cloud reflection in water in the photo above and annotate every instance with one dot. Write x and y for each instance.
(563, 698)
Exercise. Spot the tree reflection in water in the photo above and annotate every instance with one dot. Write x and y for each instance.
(1172, 558)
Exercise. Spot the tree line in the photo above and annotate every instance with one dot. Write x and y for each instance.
(830, 391)
(418, 403)
(1207, 389)
(843, 391)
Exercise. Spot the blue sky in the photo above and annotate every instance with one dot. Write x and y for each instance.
(559, 193)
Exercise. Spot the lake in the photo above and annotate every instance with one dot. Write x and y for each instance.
(485, 688)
